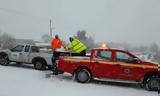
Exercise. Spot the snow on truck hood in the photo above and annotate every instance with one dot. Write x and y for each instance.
(151, 62)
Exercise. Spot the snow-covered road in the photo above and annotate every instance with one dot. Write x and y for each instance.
(20, 81)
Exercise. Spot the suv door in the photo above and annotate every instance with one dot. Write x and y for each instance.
(103, 64)
(16, 54)
(25, 54)
(126, 67)
(34, 51)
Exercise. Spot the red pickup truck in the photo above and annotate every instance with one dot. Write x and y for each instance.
(111, 64)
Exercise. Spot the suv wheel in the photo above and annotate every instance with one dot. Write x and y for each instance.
(4, 60)
(82, 75)
(152, 83)
(39, 65)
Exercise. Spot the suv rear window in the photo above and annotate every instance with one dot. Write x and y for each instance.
(34, 49)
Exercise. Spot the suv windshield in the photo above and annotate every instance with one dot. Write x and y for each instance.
(18, 48)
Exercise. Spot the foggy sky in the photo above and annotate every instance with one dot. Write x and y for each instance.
(133, 21)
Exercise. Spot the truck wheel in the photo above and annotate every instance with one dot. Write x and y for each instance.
(50, 67)
(39, 65)
(152, 83)
(82, 75)
(4, 60)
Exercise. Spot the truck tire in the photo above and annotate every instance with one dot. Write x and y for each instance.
(39, 64)
(4, 60)
(82, 75)
(152, 84)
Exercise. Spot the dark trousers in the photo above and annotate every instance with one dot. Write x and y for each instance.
(56, 54)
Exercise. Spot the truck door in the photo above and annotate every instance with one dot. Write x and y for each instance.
(25, 54)
(16, 54)
(103, 64)
(126, 68)
(34, 51)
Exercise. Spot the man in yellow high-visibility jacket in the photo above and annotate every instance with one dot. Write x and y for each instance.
(77, 47)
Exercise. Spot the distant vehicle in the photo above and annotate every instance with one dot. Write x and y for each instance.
(40, 56)
(149, 57)
(111, 64)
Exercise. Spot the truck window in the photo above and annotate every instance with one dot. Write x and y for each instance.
(27, 48)
(18, 48)
(104, 54)
(34, 49)
(124, 57)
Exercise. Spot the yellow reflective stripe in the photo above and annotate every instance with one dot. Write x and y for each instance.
(76, 47)
(113, 63)
(75, 43)
(130, 65)
(80, 49)
(140, 66)
(76, 60)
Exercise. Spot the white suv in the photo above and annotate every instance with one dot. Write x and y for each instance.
(29, 54)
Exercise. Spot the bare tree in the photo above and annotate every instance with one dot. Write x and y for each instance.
(88, 41)
(7, 41)
(154, 48)
(81, 35)
(46, 38)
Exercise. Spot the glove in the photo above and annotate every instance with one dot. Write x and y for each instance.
(65, 48)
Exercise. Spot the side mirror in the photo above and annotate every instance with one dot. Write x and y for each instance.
(136, 60)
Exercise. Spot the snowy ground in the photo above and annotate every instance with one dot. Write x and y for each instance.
(25, 81)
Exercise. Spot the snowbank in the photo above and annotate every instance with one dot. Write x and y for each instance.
(20, 81)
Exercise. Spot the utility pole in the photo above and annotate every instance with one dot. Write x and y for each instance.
(50, 27)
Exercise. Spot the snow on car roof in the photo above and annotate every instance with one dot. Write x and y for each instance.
(42, 44)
